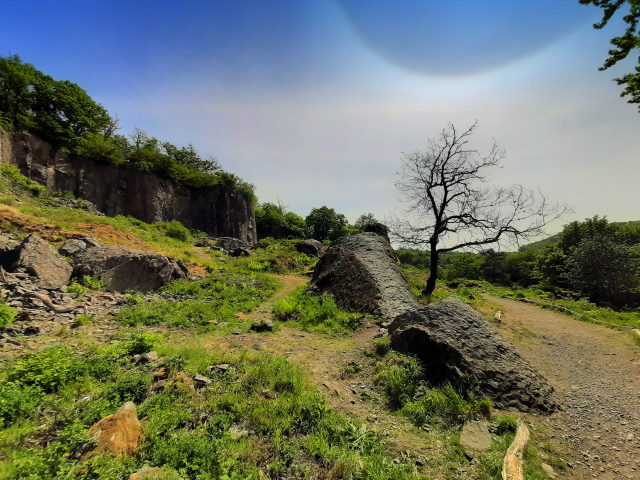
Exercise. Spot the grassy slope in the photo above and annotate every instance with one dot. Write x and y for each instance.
(261, 419)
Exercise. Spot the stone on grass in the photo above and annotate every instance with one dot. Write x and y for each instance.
(263, 325)
(119, 434)
(310, 247)
(121, 269)
(475, 437)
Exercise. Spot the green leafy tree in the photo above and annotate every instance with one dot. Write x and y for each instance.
(325, 223)
(274, 221)
(59, 111)
(604, 270)
(364, 220)
(623, 44)
(467, 265)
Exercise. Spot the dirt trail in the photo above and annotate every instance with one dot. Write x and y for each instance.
(324, 359)
(596, 373)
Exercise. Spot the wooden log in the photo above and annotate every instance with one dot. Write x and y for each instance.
(513, 465)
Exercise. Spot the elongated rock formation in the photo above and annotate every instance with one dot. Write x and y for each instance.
(457, 345)
(454, 343)
(362, 272)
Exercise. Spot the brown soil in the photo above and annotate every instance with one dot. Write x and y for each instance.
(323, 358)
(596, 373)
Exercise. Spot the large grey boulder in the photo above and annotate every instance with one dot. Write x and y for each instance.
(122, 269)
(363, 274)
(229, 244)
(39, 259)
(310, 247)
(73, 246)
(457, 345)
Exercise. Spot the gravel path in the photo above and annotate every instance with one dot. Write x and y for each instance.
(596, 373)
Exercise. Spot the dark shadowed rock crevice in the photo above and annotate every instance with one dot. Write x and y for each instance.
(363, 274)
(457, 345)
(119, 190)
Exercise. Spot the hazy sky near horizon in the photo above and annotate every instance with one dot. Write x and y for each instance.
(314, 101)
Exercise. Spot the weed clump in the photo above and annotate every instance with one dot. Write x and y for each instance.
(316, 312)
(402, 381)
(7, 315)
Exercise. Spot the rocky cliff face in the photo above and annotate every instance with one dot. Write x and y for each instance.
(217, 210)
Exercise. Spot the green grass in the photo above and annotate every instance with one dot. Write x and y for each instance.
(203, 303)
(7, 315)
(401, 378)
(311, 311)
(276, 256)
(471, 292)
(260, 415)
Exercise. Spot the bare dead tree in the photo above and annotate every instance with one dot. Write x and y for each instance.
(450, 208)
(112, 126)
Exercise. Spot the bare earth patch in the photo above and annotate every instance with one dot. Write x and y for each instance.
(596, 373)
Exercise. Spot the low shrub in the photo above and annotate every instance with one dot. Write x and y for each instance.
(312, 311)
(174, 229)
(48, 370)
(7, 315)
(19, 181)
(16, 400)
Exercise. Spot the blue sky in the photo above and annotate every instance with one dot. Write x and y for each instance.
(313, 101)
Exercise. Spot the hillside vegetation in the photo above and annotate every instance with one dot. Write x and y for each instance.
(256, 415)
(62, 113)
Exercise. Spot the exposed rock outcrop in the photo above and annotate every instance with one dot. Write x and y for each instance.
(457, 345)
(39, 259)
(229, 244)
(362, 272)
(120, 190)
(310, 247)
(122, 269)
(377, 228)
(119, 434)
(74, 246)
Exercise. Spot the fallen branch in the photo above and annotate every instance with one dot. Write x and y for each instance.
(513, 465)
(47, 301)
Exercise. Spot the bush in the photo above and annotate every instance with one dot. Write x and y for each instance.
(16, 400)
(48, 370)
(174, 229)
(132, 387)
(19, 181)
(312, 311)
(7, 315)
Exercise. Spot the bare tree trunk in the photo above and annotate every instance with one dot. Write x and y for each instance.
(433, 271)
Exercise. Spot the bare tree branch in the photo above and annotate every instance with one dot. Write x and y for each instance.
(444, 189)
